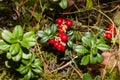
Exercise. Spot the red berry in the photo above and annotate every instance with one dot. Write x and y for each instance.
(110, 26)
(59, 21)
(56, 43)
(113, 32)
(69, 23)
(108, 35)
(63, 48)
(59, 47)
(60, 26)
(51, 41)
(64, 37)
(60, 35)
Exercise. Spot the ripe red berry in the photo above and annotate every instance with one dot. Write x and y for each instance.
(63, 48)
(110, 27)
(69, 23)
(64, 37)
(56, 43)
(59, 47)
(59, 21)
(108, 35)
(60, 26)
(51, 41)
(113, 32)
(60, 35)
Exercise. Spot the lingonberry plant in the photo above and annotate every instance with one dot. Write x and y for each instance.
(62, 38)
(15, 45)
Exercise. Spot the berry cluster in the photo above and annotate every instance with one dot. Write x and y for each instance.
(63, 24)
(110, 32)
(61, 39)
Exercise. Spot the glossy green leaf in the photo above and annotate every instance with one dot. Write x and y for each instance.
(26, 56)
(23, 69)
(86, 41)
(80, 49)
(14, 49)
(89, 4)
(17, 57)
(8, 55)
(53, 28)
(71, 32)
(63, 4)
(44, 39)
(32, 58)
(29, 74)
(41, 33)
(99, 58)
(94, 51)
(29, 40)
(4, 46)
(93, 59)
(70, 43)
(87, 76)
(67, 52)
(85, 60)
(48, 31)
(38, 70)
(25, 61)
(6, 35)
(103, 47)
(100, 41)
(17, 32)
(37, 62)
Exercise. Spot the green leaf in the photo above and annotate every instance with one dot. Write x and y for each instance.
(89, 4)
(92, 59)
(8, 55)
(80, 49)
(86, 41)
(41, 33)
(38, 70)
(100, 41)
(44, 39)
(29, 40)
(53, 28)
(32, 58)
(87, 76)
(103, 47)
(94, 51)
(29, 74)
(63, 4)
(25, 61)
(85, 60)
(48, 6)
(14, 49)
(37, 16)
(17, 57)
(70, 44)
(17, 32)
(37, 62)
(93, 42)
(48, 31)
(23, 69)
(4, 46)
(71, 32)
(99, 58)
(67, 52)
(6, 35)
(97, 78)
(26, 56)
